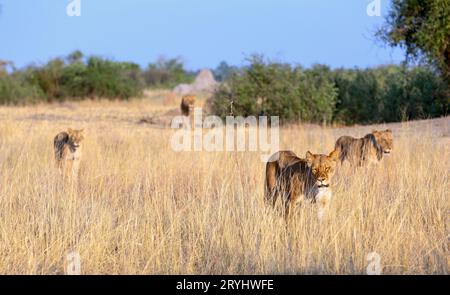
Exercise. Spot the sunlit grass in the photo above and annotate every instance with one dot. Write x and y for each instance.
(141, 208)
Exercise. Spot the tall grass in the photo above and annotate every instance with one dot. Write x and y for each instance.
(141, 208)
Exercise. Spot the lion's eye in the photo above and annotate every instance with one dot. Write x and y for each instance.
(327, 169)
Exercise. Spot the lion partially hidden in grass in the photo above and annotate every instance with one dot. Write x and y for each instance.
(67, 147)
(367, 150)
(297, 179)
(187, 104)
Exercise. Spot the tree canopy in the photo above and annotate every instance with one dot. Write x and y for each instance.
(422, 27)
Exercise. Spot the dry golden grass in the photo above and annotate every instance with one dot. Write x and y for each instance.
(141, 208)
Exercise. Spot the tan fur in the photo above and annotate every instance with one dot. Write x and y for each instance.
(296, 179)
(67, 147)
(367, 150)
(187, 104)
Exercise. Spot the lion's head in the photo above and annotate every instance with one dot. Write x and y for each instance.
(75, 136)
(187, 104)
(322, 167)
(385, 139)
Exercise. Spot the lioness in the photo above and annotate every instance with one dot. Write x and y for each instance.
(296, 179)
(367, 150)
(67, 147)
(187, 104)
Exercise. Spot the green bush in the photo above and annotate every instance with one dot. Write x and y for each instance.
(59, 80)
(16, 89)
(48, 78)
(167, 74)
(224, 71)
(389, 94)
(75, 81)
(109, 79)
(317, 94)
(345, 96)
(276, 89)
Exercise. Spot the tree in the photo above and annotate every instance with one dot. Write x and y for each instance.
(277, 89)
(422, 27)
(167, 73)
(74, 57)
(224, 71)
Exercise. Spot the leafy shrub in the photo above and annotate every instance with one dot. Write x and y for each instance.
(167, 74)
(348, 96)
(224, 71)
(318, 94)
(75, 81)
(16, 89)
(389, 94)
(276, 89)
(58, 80)
(105, 78)
(48, 78)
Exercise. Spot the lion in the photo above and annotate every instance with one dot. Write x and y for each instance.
(67, 147)
(187, 104)
(297, 179)
(367, 150)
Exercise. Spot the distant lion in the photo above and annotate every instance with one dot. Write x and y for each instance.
(367, 150)
(67, 147)
(297, 179)
(187, 104)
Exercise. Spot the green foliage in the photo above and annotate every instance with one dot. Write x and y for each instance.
(224, 71)
(167, 74)
(75, 57)
(112, 79)
(275, 89)
(355, 96)
(422, 28)
(388, 94)
(48, 78)
(16, 89)
(75, 81)
(57, 80)
(295, 94)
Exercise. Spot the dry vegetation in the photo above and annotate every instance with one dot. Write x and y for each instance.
(141, 208)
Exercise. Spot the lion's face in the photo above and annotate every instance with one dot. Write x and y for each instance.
(76, 136)
(385, 139)
(322, 167)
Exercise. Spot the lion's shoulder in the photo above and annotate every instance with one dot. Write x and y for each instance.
(60, 139)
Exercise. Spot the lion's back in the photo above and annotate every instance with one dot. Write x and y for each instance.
(60, 145)
(280, 168)
(358, 150)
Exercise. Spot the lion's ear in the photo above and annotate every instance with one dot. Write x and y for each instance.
(309, 158)
(374, 131)
(69, 130)
(388, 130)
(334, 155)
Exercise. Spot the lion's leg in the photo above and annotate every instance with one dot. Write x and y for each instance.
(288, 207)
(272, 183)
(323, 200)
(59, 166)
(66, 168)
(293, 197)
(75, 169)
(342, 155)
(270, 196)
(274, 197)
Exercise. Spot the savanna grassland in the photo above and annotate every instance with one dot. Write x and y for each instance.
(141, 208)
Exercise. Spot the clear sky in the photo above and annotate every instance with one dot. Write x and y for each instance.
(202, 32)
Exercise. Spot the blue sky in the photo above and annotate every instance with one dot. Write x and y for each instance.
(202, 32)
